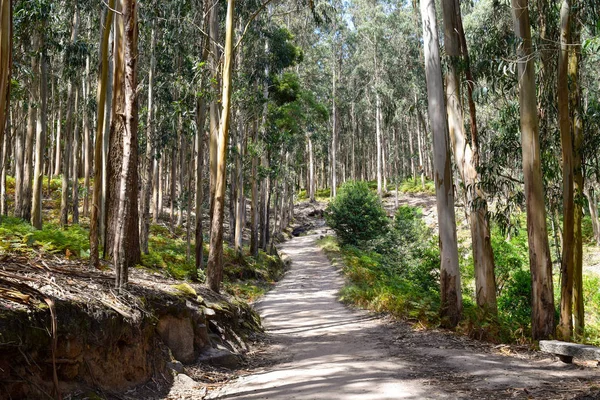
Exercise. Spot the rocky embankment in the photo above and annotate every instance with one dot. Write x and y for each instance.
(64, 330)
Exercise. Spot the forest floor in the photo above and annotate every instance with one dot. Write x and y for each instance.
(318, 348)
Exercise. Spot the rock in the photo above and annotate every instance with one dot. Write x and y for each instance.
(220, 357)
(566, 350)
(185, 381)
(178, 335)
(175, 366)
(209, 312)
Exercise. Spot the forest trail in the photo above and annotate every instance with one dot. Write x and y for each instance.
(325, 350)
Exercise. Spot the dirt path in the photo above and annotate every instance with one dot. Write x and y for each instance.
(324, 350)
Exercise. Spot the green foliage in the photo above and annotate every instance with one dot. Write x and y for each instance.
(514, 303)
(18, 236)
(168, 253)
(414, 185)
(356, 214)
(396, 273)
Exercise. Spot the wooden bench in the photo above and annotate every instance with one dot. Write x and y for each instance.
(566, 351)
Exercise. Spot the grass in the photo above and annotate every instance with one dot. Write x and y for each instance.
(370, 285)
(322, 195)
(414, 185)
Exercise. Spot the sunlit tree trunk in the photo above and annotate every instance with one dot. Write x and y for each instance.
(575, 95)
(24, 186)
(126, 244)
(451, 298)
(101, 97)
(213, 146)
(36, 201)
(5, 70)
(214, 269)
(87, 163)
(542, 325)
(465, 157)
(565, 327)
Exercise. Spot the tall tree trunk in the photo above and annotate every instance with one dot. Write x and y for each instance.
(75, 166)
(214, 267)
(101, 97)
(542, 325)
(149, 155)
(593, 208)
(577, 134)
(200, 122)
(311, 173)
(6, 26)
(66, 156)
(239, 208)
(465, 157)
(378, 131)
(58, 145)
(213, 146)
(451, 298)
(334, 121)
(565, 327)
(32, 115)
(126, 244)
(36, 202)
(254, 204)
(87, 164)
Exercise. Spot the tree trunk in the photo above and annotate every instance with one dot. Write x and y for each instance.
(451, 298)
(578, 178)
(565, 327)
(540, 263)
(213, 146)
(334, 125)
(464, 155)
(6, 27)
(200, 122)
(75, 166)
(101, 97)
(66, 156)
(36, 202)
(254, 204)
(214, 267)
(593, 208)
(126, 244)
(32, 115)
(149, 155)
(311, 173)
(87, 164)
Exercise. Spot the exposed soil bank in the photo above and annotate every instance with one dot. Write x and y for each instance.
(107, 342)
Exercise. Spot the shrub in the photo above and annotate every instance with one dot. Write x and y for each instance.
(356, 214)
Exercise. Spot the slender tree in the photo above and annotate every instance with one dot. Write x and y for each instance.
(451, 300)
(542, 325)
(215, 256)
(101, 97)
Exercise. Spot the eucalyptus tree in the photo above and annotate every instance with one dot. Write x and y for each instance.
(214, 268)
(466, 156)
(99, 139)
(451, 307)
(5, 64)
(539, 250)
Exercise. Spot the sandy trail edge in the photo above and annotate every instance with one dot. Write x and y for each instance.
(328, 351)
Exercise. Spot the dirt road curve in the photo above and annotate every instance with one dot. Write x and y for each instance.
(325, 350)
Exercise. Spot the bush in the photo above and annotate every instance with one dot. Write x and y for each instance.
(356, 214)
